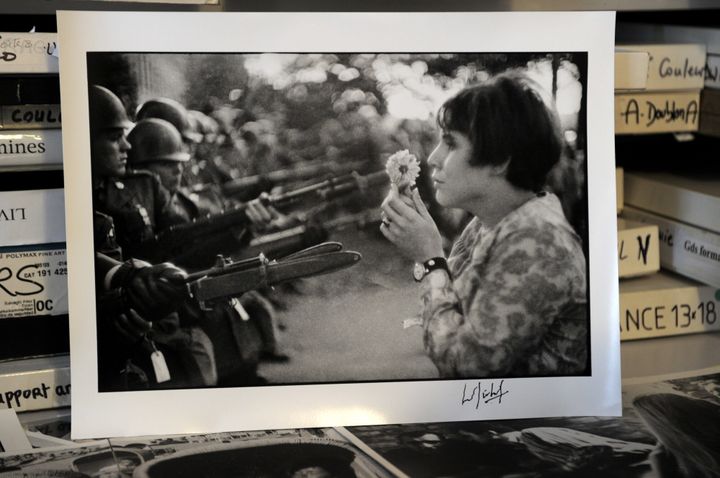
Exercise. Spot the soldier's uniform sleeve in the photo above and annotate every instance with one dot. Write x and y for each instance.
(104, 236)
(129, 202)
(163, 201)
(108, 253)
(209, 200)
(181, 210)
(200, 252)
(135, 203)
(103, 266)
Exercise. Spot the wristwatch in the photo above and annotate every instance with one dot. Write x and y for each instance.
(420, 270)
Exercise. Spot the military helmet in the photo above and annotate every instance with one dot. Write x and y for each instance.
(172, 111)
(106, 110)
(154, 139)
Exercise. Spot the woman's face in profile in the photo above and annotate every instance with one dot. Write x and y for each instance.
(458, 184)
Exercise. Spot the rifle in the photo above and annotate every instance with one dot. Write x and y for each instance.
(228, 279)
(186, 243)
(296, 238)
(251, 186)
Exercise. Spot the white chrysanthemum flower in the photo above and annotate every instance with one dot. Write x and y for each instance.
(403, 168)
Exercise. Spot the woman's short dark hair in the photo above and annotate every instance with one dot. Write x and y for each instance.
(507, 119)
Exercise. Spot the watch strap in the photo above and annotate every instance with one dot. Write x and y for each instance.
(432, 264)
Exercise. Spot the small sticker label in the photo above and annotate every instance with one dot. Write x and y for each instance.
(162, 374)
(33, 281)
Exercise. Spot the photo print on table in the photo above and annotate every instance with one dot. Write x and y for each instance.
(657, 435)
(250, 250)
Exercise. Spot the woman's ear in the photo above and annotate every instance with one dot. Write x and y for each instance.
(501, 169)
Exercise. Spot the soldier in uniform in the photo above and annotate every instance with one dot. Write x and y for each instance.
(137, 334)
(134, 199)
(217, 165)
(176, 114)
(195, 174)
(157, 148)
(243, 328)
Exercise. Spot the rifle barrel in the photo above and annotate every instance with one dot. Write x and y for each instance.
(329, 183)
(181, 236)
(293, 239)
(357, 182)
(227, 218)
(298, 172)
(218, 269)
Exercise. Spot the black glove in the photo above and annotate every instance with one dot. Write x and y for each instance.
(152, 290)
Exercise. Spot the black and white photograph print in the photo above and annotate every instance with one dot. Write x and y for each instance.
(288, 453)
(94, 458)
(331, 214)
(470, 168)
(272, 453)
(669, 428)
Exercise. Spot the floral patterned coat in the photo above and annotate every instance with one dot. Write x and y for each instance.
(517, 303)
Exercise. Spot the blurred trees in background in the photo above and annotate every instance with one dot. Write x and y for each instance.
(279, 110)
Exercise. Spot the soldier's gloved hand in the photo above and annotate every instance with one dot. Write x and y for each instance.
(156, 289)
(260, 213)
(265, 218)
(285, 221)
(131, 327)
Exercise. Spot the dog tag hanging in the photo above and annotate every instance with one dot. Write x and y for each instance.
(235, 303)
(162, 374)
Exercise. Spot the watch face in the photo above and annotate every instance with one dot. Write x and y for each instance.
(418, 271)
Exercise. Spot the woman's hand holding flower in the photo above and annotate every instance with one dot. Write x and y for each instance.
(403, 169)
(409, 226)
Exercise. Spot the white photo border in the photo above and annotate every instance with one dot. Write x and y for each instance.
(188, 411)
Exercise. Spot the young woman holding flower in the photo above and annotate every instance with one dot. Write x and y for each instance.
(510, 299)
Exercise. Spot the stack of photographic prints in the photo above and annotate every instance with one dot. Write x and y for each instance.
(656, 436)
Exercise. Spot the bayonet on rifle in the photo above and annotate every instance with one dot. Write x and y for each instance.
(251, 186)
(304, 236)
(228, 279)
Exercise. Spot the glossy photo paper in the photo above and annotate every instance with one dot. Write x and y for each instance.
(266, 250)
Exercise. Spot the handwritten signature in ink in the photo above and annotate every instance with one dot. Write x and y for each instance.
(483, 394)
